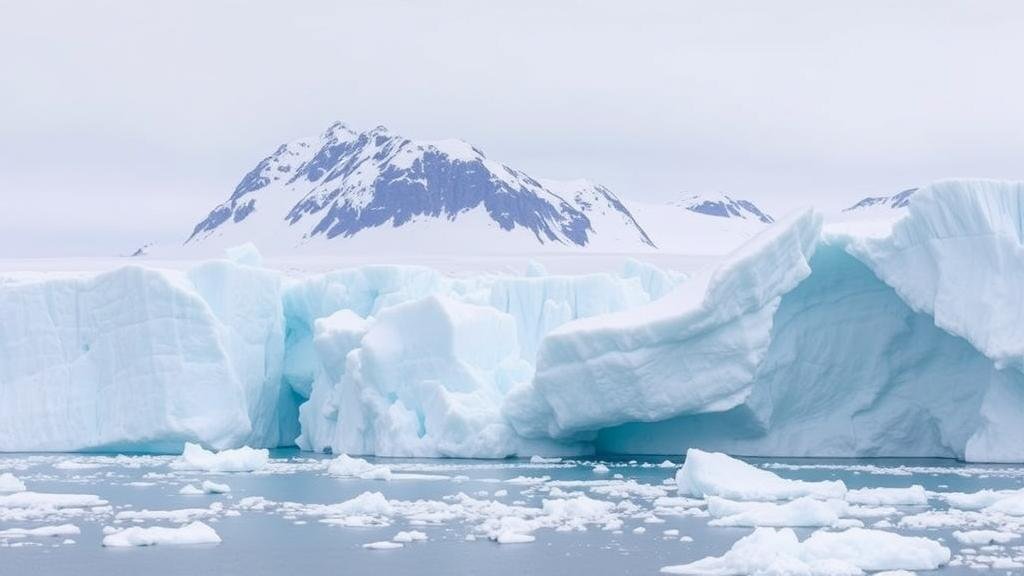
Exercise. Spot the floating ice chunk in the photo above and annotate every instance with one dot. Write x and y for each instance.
(601, 469)
(1012, 505)
(976, 500)
(984, 537)
(43, 531)
(716, 474)
(348, 467)
(244, 459)
(804, 511)
(194, 533)
(50, 501)
(367, 504)
(190, 490)
(667, 464)
(211, 487)
(542, 460)
(382, 545)
(912, 496)
(851, 552)
(509, 537)
(410, 536)
(10, 483)
(875, 550)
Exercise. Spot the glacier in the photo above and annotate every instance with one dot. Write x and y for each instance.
(812, 339)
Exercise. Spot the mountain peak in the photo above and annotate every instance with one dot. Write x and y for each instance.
(724, 206)
(347, 183)
(894, 202)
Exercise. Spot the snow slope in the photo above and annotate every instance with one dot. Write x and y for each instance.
(808, 340)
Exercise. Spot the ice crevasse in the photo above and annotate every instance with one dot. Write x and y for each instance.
(812, 339)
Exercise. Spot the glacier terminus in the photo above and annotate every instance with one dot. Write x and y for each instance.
(811, 338)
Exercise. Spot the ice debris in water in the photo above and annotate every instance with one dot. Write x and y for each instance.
(716, 474)
(349, 467)
(410, 536)
(10, 483)
(244, 459)
(207, 487)
(851, 552)
(382, 545)
(193, 533)
(45, 531)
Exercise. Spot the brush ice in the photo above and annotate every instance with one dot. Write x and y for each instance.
(715, 474)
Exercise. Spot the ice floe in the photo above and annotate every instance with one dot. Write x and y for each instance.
(193, 533)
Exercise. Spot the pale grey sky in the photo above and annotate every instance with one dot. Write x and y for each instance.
(124, 122)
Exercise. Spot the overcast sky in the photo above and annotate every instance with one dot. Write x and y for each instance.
(125, 122)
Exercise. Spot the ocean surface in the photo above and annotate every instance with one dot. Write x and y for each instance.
(289, 532)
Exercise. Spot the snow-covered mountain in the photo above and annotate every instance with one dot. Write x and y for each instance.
(378, 190)
(894, 202)
(724, 206)
(702, 224)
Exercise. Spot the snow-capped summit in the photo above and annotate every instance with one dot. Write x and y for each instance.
(724, 206)
(442, 194)
(894, 202)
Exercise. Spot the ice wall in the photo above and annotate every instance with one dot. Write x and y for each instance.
(133, 359)
(807, 341)
(420, 365)
(907, 344)
(694, 350)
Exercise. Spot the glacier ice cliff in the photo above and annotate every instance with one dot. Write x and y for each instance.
(812, 339)
(143, 359)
